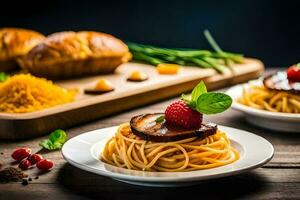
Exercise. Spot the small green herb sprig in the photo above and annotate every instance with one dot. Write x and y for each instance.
(160, 119)
(3, 76)
(207, 102)
(217, 59)
(55, 140)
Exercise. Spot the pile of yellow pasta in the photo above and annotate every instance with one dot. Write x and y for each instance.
(126, 150)
(25, 93)
(260, 97)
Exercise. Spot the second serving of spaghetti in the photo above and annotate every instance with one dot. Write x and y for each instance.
(130, 151)
(261, 97)
(276, 93)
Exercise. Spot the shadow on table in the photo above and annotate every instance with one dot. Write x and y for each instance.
(90, 185)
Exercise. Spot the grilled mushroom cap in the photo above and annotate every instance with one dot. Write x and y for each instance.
(146, 127)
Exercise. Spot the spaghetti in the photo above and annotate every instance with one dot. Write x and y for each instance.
(260, 97)
(127, 150)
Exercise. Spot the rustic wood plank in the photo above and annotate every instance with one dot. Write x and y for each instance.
(251, 185)
(65, 173)
(238, 190)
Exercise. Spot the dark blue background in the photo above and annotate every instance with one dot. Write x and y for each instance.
(266, 29)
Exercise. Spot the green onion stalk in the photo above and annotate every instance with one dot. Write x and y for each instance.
(217, 59)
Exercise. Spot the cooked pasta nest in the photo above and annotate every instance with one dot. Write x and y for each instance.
(260, 97)
(127, 150)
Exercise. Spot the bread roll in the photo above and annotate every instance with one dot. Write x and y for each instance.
(73, 54)
(15, 43)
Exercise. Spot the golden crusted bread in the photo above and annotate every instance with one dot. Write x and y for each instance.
(71, 54)
(15, 42)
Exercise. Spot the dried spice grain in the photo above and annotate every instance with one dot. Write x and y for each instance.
(11, 174)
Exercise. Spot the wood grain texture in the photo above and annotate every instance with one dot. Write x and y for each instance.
(127, 95)
(279, 179)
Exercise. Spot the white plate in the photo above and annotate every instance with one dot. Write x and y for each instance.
(83, 152)
(270, 120)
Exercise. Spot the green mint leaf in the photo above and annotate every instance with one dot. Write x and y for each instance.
(3, 76)
(186, 98)
(55, 140)
(212, 103)
(160, 119)
(298, 65)
(188, 101)
(198, 90)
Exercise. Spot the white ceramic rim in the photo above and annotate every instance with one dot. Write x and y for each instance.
(80, 152)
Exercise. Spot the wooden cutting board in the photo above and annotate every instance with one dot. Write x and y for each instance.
(126, 95)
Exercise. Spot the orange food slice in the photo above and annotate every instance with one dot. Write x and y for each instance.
(165, 68)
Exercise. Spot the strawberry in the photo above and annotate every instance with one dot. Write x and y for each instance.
(188, 112)
(181, 115)
(293, 73)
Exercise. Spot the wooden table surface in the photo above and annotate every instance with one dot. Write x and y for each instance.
(279, 179)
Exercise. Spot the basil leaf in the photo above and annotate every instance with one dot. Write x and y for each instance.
(57, 145)
(198, 90)
(46, 144)
(3, 76)
(213, 102)
(55, 140)
(58, 136)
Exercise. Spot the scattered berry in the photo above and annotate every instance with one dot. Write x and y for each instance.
(35, 158)
(293, 73)
(24, 182)
(45, 164)
(181, 115)
(21, 153)
(24, 164)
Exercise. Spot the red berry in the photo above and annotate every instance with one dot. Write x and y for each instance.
(24, 164)
(293, 73)
(181, 115)
(21, 153)
(45, 164)
(34, 158)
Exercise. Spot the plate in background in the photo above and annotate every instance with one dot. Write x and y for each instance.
(287, 122)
